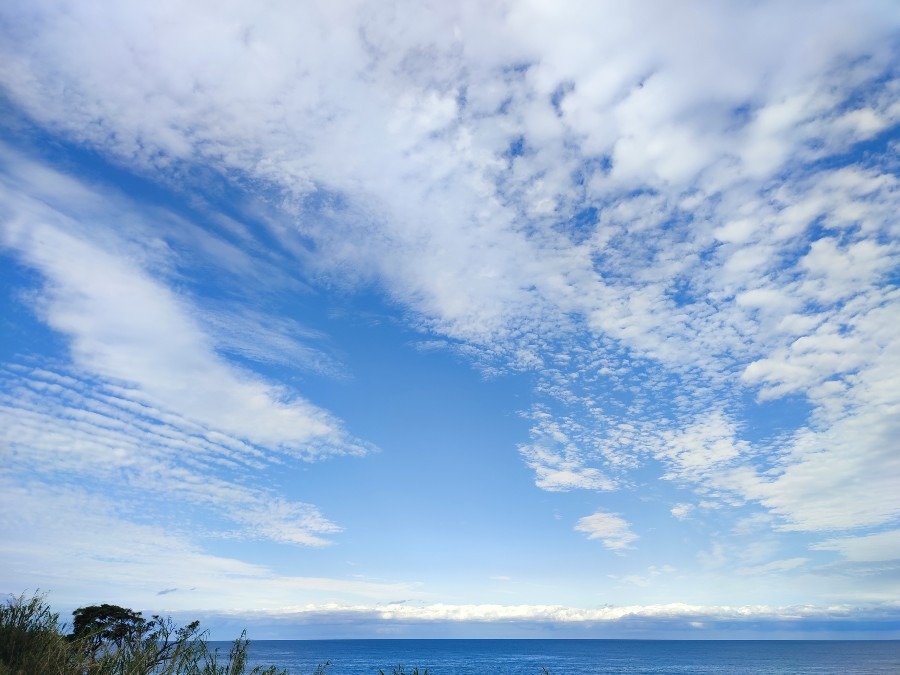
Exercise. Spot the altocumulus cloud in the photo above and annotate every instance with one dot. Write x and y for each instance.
(149, 394)
(680, 222)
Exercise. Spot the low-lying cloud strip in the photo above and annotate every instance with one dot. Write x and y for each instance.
(558, 614)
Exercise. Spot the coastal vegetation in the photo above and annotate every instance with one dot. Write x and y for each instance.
(111, 640)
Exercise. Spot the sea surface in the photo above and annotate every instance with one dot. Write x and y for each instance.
(578, 657)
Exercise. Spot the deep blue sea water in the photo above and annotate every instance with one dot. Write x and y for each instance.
(579, 657)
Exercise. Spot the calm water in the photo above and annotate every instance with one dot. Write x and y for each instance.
(578, 657)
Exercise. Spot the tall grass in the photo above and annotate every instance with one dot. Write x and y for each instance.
(33, 642)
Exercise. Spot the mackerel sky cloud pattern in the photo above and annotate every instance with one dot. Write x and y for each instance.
(288, 286)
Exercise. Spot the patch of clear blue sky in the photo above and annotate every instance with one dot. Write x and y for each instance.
(23, 333)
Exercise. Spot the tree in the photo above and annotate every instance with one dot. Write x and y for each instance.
(100, 627)
(111, 640)
(118, 634)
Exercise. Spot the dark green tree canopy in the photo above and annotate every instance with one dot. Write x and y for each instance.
(103, 624)
(111, 640)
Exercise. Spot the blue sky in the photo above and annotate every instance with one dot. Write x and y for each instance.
(474, 319)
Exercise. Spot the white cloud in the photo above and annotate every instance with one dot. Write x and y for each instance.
(613, 531)
(475, 295)
(264, 338)
(150, 404)
(879, 547)
(420, 186)
(86, 547)
(555, 473)
(719, 261)
(558, 454)
(776, 566)
(842, 475)
(646, 580)
(57, 425)
(682, 510)
(557, 476)
(123, 325)
(703, 447)
(568, 615)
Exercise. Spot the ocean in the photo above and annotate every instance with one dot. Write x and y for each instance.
(578, 657)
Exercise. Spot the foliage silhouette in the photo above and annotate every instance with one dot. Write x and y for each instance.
(111, 640)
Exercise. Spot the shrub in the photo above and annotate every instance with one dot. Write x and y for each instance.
(110, 640)
(31, 640)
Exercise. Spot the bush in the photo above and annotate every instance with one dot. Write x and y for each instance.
(110, 640)
(31, 640)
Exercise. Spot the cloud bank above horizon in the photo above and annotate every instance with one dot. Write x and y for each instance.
(249, 250)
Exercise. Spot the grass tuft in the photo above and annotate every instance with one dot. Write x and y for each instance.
(32, 642)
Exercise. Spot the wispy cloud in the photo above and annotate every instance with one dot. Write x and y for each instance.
(125, 325)
(613, 531)
(878, 547)
(57, 425)
(679, 224)
(148, 397)
(82, 540)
